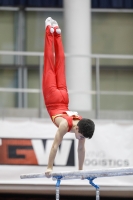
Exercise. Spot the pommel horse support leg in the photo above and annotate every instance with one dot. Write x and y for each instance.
(81, 174)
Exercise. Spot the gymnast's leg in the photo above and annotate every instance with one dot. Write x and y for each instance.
(49, 78)
(60, 63)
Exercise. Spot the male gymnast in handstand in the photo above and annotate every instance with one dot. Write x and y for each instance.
(56, 96)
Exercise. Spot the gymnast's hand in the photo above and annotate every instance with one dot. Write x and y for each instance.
(48, 172)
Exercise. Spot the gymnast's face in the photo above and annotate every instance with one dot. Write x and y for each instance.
(78, 135)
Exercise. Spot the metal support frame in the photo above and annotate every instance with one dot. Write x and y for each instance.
(58, 178)
(93, 10)
(20, 60)
(95, 186)
(97, 57)
(25, 85)
(97, 87)
(40, 94)
(58, 181)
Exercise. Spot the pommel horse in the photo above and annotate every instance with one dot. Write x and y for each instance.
(82, 174)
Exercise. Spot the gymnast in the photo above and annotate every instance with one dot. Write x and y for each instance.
(56, 97)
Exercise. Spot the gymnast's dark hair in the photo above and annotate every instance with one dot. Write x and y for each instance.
(86, 127)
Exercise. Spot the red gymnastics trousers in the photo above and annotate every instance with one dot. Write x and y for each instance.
(54, 80)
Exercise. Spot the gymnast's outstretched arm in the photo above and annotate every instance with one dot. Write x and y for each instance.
(62, 130)
(81, 153)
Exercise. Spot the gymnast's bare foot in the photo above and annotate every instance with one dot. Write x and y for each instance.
(48, 172)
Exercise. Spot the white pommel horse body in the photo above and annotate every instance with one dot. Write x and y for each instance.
(81, 174)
